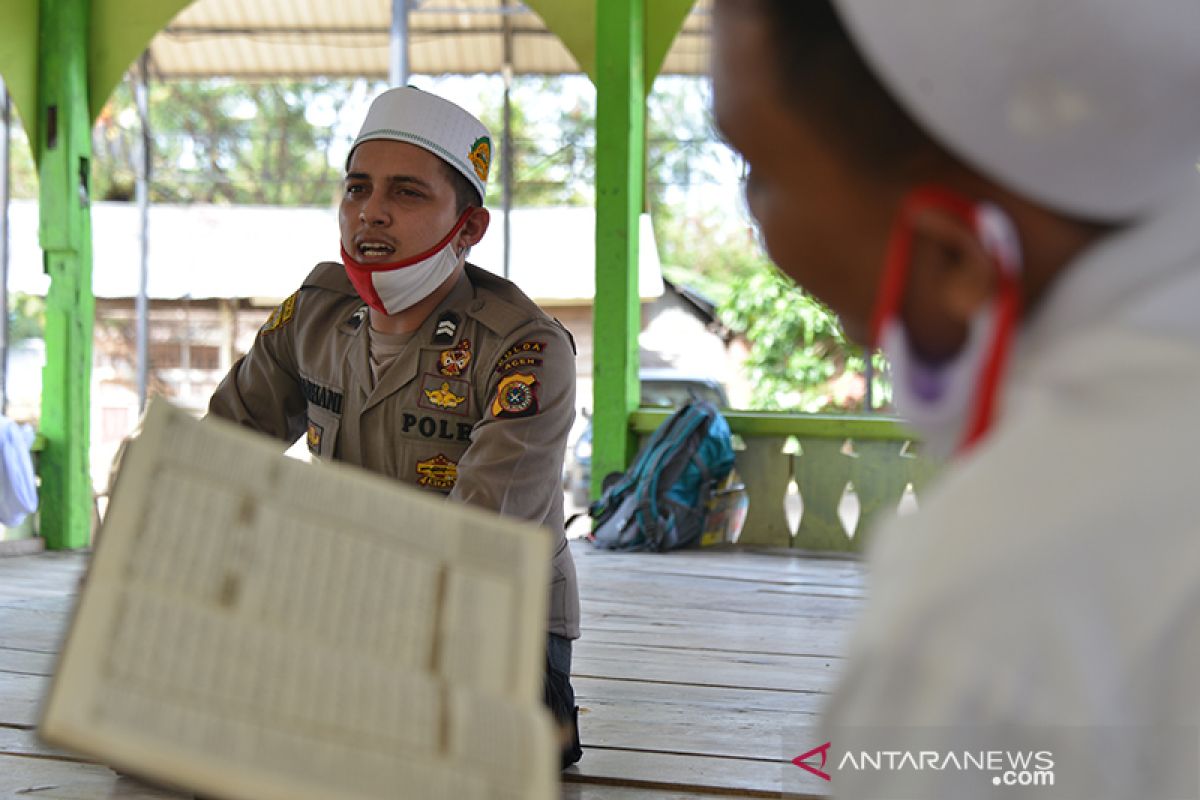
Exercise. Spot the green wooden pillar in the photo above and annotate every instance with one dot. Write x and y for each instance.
(620, 144)
(63, 145)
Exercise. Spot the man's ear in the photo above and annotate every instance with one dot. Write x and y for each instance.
(951, 279)
(474, 228)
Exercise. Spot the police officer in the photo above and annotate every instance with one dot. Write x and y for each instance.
(408, 361)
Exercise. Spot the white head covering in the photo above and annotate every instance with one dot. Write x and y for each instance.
(407, 114)
(1090, 107)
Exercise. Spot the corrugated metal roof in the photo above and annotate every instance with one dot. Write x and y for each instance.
(274, 38)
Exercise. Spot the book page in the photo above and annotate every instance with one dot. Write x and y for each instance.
(253, 627)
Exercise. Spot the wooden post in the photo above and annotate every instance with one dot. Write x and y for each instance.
(620, 133)
(63, 147)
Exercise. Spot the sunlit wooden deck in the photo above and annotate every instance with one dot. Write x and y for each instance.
(692, 668)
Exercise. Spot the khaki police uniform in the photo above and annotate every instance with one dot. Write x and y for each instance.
(477, 407)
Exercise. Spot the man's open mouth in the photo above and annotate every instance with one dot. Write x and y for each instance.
(375, 249)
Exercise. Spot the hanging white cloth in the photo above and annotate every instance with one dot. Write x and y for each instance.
(18, 489)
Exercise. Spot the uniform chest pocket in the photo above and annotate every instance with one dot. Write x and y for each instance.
(322, 431)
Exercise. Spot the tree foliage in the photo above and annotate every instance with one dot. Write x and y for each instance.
(799, 358)
(553, 147)
(220, 141)
(26, 317)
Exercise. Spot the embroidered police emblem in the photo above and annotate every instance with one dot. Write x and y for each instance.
(516, 396)
(438, 472)
(446, 328)
(280, 316)
(315, 432)
(442, 393)
(481, 157)
(456, 360)
(442, 397)
(521, 356)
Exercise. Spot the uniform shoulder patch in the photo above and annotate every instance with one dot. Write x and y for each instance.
(516, 396)
(281, 316)
(521, 355)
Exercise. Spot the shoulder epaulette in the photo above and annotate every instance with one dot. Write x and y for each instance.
(331, 276)
(500, 304)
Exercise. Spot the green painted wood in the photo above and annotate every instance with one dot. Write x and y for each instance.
(769, 423)
(879, 473)
(19, 58)
(63, 148)
(766, 471)
(574, 22)
(620, 143)
(118, 31)
(822, 472)
(664, 19)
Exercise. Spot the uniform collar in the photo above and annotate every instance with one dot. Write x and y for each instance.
(431, 334)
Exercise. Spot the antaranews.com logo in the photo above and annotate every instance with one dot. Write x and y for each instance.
(1005, 767)
(993, 761)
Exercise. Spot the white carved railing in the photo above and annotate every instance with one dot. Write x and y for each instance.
(817, 481)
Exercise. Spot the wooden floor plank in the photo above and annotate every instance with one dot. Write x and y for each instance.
(21, 698)
(656, 664)
(36, 629)
(26, 662)
(730, 777)
(25, 742)
(675, 729)
(48, 779)
(591, 791)
(700, 700)
(677, 591)
(725, 562)
(718, 631)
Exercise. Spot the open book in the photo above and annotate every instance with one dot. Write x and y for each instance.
(253, 627)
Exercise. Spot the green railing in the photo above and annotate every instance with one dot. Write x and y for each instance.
(807, 473)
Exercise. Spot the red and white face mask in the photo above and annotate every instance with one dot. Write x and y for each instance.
(951, 404)
(391, 288)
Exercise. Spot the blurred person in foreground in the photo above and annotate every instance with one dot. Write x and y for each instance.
(1003, 196)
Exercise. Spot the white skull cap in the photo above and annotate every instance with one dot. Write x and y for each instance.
(1089, 107)
(407, 114)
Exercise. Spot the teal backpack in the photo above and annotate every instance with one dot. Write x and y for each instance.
(659, 502)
